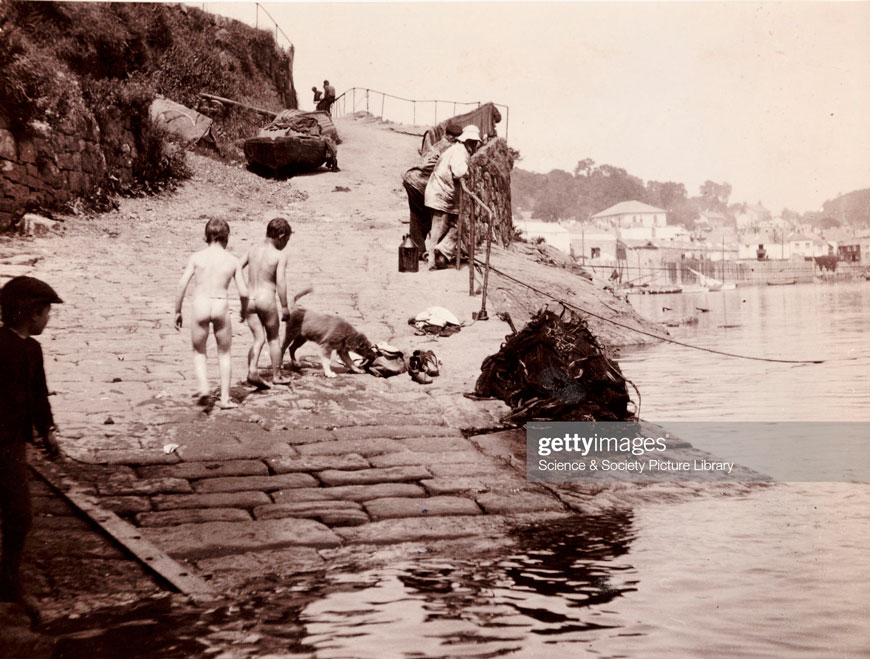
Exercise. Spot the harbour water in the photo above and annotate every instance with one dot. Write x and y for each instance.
(760, 571)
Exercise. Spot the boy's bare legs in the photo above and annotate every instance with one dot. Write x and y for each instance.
(256, 348)
(223, 334)
(199, 337)
(272, 324)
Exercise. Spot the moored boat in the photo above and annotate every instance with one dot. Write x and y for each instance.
(294, 141)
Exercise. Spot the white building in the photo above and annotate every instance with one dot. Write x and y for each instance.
(808, 245)
(633, 215)
(552, 232)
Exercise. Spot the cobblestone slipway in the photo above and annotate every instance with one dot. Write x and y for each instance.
(315, 470)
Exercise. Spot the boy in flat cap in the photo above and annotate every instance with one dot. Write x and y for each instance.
(25, 304)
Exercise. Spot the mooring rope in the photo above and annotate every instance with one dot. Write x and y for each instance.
(650, 334)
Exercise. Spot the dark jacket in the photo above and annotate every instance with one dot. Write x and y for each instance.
(23, 392)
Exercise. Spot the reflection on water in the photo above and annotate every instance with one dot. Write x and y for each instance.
(801, 322)
(554, 588)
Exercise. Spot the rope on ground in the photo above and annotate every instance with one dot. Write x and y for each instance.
(650, 334)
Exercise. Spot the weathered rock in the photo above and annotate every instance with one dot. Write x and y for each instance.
(251, 483)
(420, 529)
(120, 485)
(318, 463)
(520, 502)
(234, 451)
(221, 538)
(395, 432)
(216, 500)
(366, 476)
(36, 225)
(364, 447)
(351, 492)
(192, 516)
(432, 506)
(449, 485)
(199, 470)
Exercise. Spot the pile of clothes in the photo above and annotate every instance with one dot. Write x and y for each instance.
(555, 370)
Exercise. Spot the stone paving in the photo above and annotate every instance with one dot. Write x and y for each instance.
(324, 464)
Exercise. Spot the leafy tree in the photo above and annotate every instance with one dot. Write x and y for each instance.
(556, 198)
(714, 196)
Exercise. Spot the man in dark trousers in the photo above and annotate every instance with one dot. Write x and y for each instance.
(25, 304)
(415, 180)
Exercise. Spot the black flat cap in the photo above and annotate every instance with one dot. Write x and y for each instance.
(23, 288)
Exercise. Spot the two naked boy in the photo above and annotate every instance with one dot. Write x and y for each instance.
(213, 268)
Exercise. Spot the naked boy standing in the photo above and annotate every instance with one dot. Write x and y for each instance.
(267, 268)
(213, 268)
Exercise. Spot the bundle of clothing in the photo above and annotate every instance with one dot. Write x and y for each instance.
(554, 369)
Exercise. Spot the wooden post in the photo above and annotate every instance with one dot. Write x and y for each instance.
(459, 230)
(471, 246)
(367, 101)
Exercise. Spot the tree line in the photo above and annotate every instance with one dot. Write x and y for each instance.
(592, 188)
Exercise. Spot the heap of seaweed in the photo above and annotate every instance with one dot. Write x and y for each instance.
(555, 370)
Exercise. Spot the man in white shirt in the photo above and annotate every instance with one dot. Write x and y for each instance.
(442, 197)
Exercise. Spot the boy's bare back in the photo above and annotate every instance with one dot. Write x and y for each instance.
(266, 264)
(213, 270)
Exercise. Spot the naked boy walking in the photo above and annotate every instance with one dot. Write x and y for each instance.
(267, 268)
(212, 268)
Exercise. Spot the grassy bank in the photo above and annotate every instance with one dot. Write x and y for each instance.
(67, 63)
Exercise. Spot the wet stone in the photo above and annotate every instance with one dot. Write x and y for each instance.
(318, 463)
(420, 529)
(251, 483)
(367, 476)
(222, 538)
(333, 513)
(434, 506)
(192, 516)
(215, 500)
(350, 492)
(519, 502)
(199, 470)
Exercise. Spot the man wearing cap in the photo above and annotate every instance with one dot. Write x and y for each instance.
(441, 196)
(25, 305)
(415, 180)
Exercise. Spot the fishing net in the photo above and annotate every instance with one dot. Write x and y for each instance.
(555, 370)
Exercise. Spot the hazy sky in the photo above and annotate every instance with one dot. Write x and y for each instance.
(773, 98)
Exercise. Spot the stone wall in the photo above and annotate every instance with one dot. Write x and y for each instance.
(51, 167)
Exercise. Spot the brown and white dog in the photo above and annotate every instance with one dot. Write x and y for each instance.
(331, 333)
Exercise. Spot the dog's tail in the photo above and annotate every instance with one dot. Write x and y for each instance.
(301, 293)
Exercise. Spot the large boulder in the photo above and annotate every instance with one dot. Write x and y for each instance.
(187, 125)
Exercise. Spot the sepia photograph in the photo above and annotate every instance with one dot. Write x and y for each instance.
(434, 329)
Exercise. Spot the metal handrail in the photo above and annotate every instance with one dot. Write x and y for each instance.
(365, 94)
